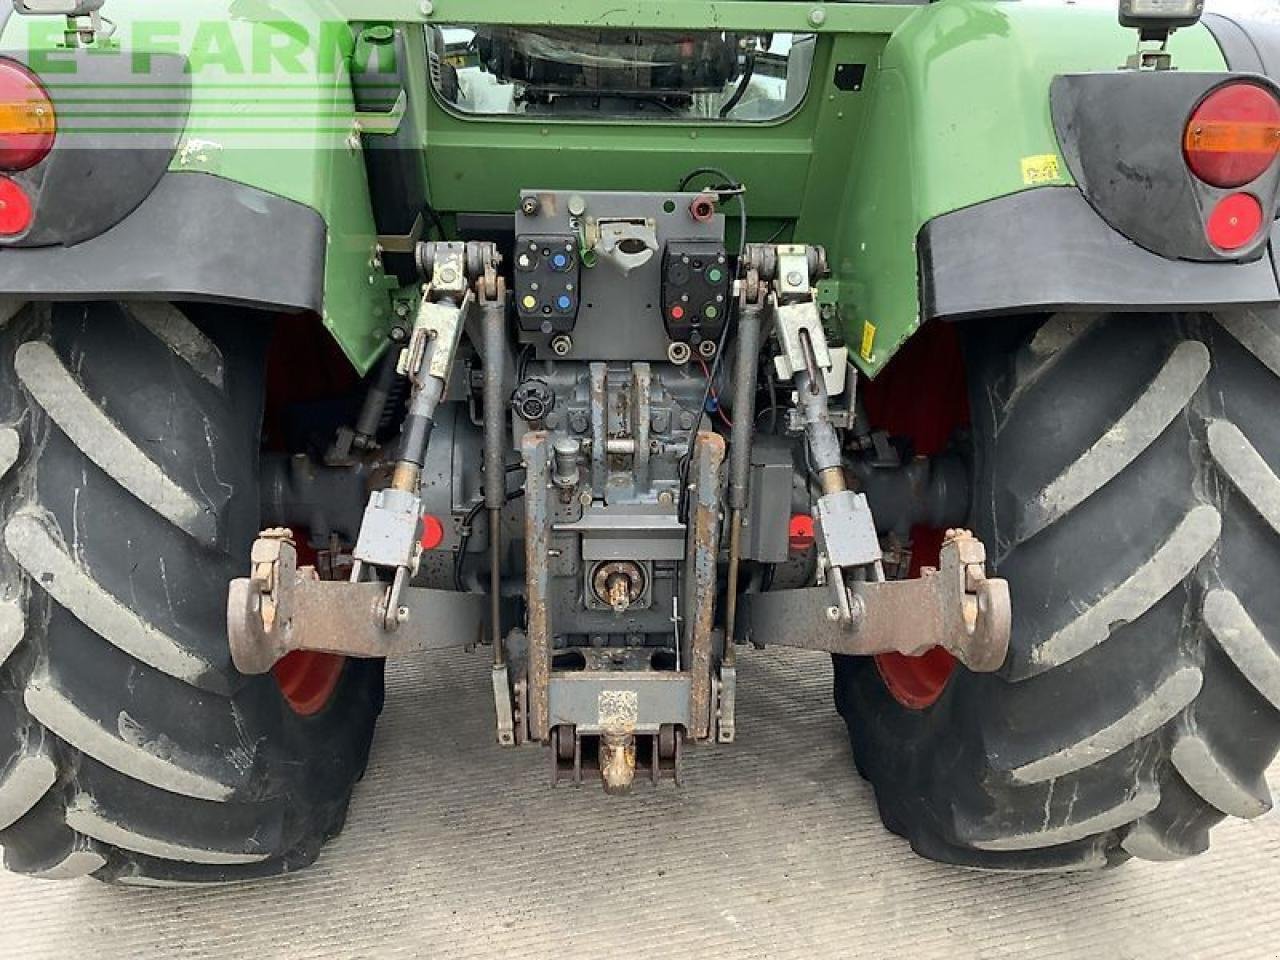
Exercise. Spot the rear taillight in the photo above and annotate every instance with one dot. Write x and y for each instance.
(1235, 222)
(1234, 135)
(28, 124)
(15, 209)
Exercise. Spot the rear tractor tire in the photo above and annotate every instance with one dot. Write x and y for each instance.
(1127, 484)
(130, 747)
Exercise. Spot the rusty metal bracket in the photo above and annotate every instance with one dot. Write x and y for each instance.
(662, 758)
(726, 713)
(700, 575)
(536, 448)
(280, 608)
(956, 607)
(503, 706)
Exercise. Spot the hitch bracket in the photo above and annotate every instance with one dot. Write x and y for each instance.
(956, 607)
(281, 608)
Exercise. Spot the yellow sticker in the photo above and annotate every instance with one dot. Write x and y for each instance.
(1042, 169)
(867, 350)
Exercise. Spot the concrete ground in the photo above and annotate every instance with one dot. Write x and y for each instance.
(456, 848)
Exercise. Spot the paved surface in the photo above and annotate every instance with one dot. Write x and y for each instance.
(456, 848)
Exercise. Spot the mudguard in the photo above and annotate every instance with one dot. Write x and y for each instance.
(231, 169)
(963, 202)
(1128, 241)
(195, 237)
(1248, 47)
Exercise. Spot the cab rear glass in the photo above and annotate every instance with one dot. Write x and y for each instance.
(671, 75)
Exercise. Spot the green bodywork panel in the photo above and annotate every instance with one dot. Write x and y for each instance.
(272, 107)
(953, 111)
(961, 100)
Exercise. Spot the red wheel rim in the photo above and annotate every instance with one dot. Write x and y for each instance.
(916, 682)
(307, 680)
(922, 395)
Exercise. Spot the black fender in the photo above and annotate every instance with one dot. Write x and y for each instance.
(1047, 250)
(1248, 47)
(195, 237)
(113, 221)
(1050, 249)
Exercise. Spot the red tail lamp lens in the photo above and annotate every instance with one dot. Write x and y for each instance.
(1235, 222)
(432, 532)
(1234, 135)
(800, 534)
(15, 209)
(28, 124)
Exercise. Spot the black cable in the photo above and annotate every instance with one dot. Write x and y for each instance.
(772, 380)
(702, 412)
(748, 71)
(463, 543)
(522, 363)
(641, 99)
(778, 233)
(732, 187)
(467, 529)
(434, 217)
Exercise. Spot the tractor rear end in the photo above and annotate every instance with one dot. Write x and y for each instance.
(622, 353)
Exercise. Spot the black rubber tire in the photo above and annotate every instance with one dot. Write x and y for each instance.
(1128, 487)
(130, 747)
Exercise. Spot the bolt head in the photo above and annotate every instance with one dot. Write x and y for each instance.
(427, 8)
(817, 16)
(833, 614)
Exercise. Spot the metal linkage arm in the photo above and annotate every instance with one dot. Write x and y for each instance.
(955, 607)
(846, 535)
(389, 535)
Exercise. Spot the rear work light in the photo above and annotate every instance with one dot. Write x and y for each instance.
(1234, 135)
(28, 124)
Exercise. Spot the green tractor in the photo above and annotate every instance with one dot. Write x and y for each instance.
(619, 342)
